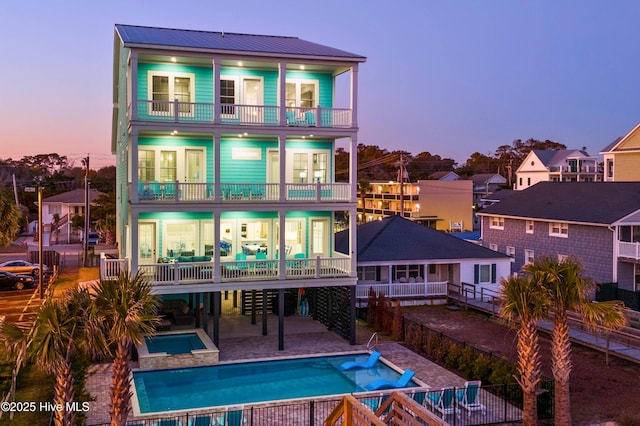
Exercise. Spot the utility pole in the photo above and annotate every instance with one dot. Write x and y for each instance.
(401, 174)
(40, 254)
(85, 243)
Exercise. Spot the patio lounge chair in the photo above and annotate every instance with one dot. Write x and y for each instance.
(468, 397)
(370, 362)
(232, 417)
(443, 401)
(202, 420)
(386, 384)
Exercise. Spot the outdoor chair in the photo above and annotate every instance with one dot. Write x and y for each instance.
(468, 397)
(233, 416)
(387, 384)
(370, 362)
(202, 420)
(443, 401)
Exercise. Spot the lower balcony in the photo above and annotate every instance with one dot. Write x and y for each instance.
(177, 273)
(180, 192)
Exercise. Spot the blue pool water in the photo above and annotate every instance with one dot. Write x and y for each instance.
(173, 344)
(243, 383)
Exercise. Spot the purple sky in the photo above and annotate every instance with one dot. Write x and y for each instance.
(448, 77)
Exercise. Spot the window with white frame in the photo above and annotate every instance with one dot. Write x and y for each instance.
(301, 93)
(168, 166)
(528, 256)
(228, 95)
(167, 87)
(367, 273)
(529, 227)
(146, 165)
(510, 251)
(407, 271)
(493, 247)
(562, 257)
(484, 273)
(559, 229)
(496, 222)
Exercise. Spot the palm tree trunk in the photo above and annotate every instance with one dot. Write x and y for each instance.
(120, 386)
(529, 368)
(562, 365)
(62, 393)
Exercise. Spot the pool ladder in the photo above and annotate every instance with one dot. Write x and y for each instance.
(373, 341)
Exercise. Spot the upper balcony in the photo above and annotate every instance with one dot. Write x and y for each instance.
(238, 114)
(629, 250)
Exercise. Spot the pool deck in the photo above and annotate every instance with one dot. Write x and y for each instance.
(240, 340)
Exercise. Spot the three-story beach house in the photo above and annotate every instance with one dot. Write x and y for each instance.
(225, 171)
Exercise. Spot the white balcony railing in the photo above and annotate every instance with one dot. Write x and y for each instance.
(250, 115)
(422, 289)
(180, 273)
(176, 192)
(629, 250)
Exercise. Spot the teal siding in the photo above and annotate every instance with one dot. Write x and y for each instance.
(176, 216)
(246, 171)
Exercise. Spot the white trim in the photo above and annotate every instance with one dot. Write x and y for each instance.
(499, 222)
(236, 95)
(526, 226)
(298, 82)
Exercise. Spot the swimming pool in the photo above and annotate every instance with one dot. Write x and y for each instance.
(179, 343)
(244, 383)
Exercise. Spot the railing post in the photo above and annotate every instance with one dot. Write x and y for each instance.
(311, 413)
(176, 272)
(176, 110)
(318, 190)
(176, 194)
(318, 122)
(317, 267)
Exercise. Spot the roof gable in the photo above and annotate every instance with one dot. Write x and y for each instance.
(395, 238)
(629, 142)
(584, 202)
(73, 197)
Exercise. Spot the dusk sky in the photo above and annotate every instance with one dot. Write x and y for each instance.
(448, 77)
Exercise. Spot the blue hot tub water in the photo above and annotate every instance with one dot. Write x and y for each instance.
(173, 344)
(243, 383)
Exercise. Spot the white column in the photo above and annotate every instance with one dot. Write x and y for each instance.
(133, 64)
(354, 96)
(353, 170)
(217, 270)
(282, 270)
(216, 165)
(132, 167)
(353, 242)
(282, 142)
(133, 255)
(217, 108)
(282, 92)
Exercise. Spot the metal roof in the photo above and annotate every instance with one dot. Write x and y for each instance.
(583, 202)
(133, 35)
(395, 238)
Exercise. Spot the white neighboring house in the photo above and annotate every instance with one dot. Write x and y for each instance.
(557, 165)
(66, 205)
(415, 264)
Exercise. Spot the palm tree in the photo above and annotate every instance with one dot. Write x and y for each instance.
(526, 302)
(126, 311)
(10, 216)
(568, 291)
(55, 226)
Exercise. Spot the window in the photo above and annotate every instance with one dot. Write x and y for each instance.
(55, 209)
(228, 95)
(164, 88)
(146, 166)
(367, 273)
(528, 181)
(168, 166)
(493, 247)
(484, 273)
(406, 271)
(558, 229)
(302, 93)
(319, 167)
(610, 168)
(528, 256)
(300, 167)
(562, 258)
(511, 251)
(496, 222)
(529, 227)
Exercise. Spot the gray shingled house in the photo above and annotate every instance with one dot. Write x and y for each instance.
(597, 222)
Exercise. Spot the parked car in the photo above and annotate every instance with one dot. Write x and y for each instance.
(23, 267)
(92, 239)
(10, 281)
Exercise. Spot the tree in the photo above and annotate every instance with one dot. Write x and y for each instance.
(568, 290)
(125, 311)
(10, 216)
(103, 213)
(55, 226)
(526, 302)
